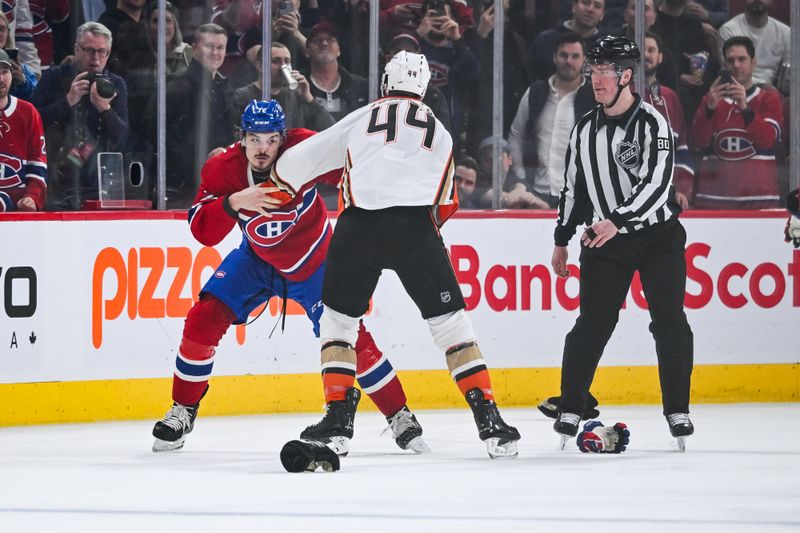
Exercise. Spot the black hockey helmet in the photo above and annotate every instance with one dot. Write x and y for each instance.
(619, 51)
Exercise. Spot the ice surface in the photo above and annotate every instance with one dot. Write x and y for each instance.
(740, 473)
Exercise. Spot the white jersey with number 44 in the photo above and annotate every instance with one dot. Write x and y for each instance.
(394, 151)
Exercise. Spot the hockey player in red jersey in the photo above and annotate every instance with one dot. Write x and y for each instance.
(23, 162)
(282, 254)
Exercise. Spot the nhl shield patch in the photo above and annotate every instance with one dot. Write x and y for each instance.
(445, 296)
(628, 154)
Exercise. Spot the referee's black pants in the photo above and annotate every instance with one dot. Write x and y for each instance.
(606, 273)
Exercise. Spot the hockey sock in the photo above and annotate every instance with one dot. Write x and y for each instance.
(205, 325)
(376, 376)
(468, 369)
(338, 370)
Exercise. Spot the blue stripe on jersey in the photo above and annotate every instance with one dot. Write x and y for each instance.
(199, 369)
(5, 202)
(375, 375)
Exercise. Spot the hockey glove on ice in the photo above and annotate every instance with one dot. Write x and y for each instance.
(597, 438)
(307, 456)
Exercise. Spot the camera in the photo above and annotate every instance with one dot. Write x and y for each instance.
(105, 87)
(725, 77)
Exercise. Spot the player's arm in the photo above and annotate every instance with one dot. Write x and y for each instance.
(211, 217)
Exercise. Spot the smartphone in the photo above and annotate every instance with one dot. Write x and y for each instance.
(285, 7)
(13, 53)
(725, 77)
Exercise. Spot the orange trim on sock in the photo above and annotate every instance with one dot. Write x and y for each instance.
(335, 386)
(480, 380)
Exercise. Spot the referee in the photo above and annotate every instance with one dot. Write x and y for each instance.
(619, 183)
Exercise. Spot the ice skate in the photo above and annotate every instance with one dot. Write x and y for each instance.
(500, 438)
(406, 431)
(171, 432)
(566, 425)
(336, 428)
(680, 427)
(549, 407)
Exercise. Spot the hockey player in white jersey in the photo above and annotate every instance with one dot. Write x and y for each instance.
(398, 189)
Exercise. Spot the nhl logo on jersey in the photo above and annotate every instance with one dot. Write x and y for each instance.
(628, 154)
(445, 296)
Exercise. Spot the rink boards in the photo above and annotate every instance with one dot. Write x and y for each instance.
(93, 310)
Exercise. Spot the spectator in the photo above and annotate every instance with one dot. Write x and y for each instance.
(199, 115)
(545, 116)
(434, 98)
(302, 111)
(179, 53)
(667, 72)
(738, 126)
(466, 178)
(79, 120)
(712, 12)
(586, 17)
(404, 16)
(516, 77)
(666, 101)
(454, 68)
(770, 37)
(337, 90)
(43, 14)
(23, 80)
(124, 20)
(24, 173)
(515, 193)
(683, 35)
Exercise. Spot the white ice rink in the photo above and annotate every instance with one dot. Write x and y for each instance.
(741, 472)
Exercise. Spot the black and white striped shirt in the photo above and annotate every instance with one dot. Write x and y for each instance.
(618, 168)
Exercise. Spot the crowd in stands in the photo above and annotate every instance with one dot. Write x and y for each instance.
(716, 69)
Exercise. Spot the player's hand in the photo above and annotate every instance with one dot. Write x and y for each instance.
(791, 233)
(599, 233)
(78, 89)
(255, 198)
(682, 201)
(26, 203)
(559, 261)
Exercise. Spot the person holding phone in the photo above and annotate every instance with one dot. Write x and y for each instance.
(737, 127)
(23, 79)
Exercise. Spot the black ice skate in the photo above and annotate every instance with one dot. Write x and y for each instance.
(549, 407)
(681, 427)
(406, 431)
(336, 428)
(500, 438)
(566, 425)
(171, 432)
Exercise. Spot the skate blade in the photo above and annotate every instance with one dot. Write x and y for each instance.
(564, 441)
(501, 449)
(418, 446)
(167, 446)
(339, 445)
(681, 444)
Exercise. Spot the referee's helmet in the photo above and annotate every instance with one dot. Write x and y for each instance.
(618, 51)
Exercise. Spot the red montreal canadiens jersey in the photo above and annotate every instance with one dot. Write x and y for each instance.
(738, 170)
(23, 163)
(294, 241)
